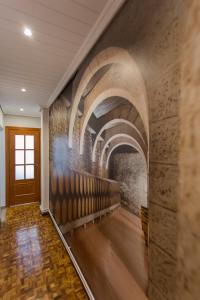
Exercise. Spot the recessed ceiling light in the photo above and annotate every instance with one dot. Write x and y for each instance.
(21, 109)
(28, 32)
(23, 90)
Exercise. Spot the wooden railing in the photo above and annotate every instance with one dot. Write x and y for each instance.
(77, 198)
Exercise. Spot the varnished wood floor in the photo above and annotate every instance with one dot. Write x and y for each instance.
(33, 262)
(112, 256)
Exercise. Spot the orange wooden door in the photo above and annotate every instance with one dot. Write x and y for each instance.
(22, 165)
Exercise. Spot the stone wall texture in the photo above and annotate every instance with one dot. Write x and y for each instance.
(131, 171)
(189, 201)
(60, 153)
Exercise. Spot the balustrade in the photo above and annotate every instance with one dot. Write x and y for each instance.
(77, 198)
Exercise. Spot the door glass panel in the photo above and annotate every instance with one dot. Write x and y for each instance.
(30, 172)
(19, 141)
(29, 141)
(19, 157)
(19, 172)
(29, 156)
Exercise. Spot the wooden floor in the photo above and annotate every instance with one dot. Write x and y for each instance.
(112, 256)
(33, 262)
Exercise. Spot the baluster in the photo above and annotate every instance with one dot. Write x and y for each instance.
(89, 194)
(58, 210)
(92, 195)
(105, 191)
(60, 198)
(82, 196)
(70, 202)
(73, 196)
(98, 194)
(53, 190)
(103, 194)
(78, 194)
(100, 202)
(67, 193)
(86, 196)
(107, 197)
(95, 194)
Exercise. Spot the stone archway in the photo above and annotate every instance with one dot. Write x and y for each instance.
(113, 122)
(120, 135)
(116, 146)
(111, 55)
(129, 168)
(115, 91)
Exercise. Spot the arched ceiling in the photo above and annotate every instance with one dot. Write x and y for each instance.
(118, 145)
(117, 126)
(120, 137)
(112, 83)
(93, 103)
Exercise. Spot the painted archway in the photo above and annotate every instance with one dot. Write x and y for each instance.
(111, 55)
(115, 91)
(120, 135)
(116, 146)
(113, 122)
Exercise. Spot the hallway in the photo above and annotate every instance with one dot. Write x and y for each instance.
(34, 263)
(112, 256)
(99, 150)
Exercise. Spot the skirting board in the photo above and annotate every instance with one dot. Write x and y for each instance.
(78, 270)
(44, 211)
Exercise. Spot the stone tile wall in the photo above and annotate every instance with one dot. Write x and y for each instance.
(130, 170)
(189, 200)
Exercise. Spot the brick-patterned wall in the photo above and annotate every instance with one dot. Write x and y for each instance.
(60, 153)
(131, 171)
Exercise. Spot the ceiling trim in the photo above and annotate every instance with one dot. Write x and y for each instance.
(109, 11)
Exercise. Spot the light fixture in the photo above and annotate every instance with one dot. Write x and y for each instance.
(28, 32)
(21, 109)
(23, 90)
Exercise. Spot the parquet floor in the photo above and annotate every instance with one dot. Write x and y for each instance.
(33, 261)
(112, 256)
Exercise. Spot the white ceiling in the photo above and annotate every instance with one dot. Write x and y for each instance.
(63, 33)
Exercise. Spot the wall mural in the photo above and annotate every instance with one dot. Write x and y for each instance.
(136, 62)
(97, 94)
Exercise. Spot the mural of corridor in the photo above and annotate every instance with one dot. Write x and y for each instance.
(100, 126)
(111, 122)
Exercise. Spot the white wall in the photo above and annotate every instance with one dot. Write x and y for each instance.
(1, 119)
(20, 121)
(16, 121)
(44, 160)
(2, 179)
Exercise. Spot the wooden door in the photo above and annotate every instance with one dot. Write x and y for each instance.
(22, 165)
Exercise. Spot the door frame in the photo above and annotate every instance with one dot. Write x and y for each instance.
(7, 159)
